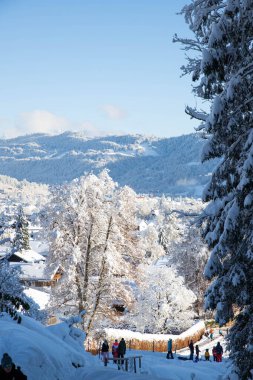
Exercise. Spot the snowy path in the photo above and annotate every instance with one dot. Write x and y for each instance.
(156, 366)
(50, 353)
(205, 343)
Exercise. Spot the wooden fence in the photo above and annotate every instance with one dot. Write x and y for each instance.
(94, 346)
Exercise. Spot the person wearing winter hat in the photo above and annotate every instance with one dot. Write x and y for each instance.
(8, 370)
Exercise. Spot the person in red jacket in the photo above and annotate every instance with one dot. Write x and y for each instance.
(214, 354)
(115, 347)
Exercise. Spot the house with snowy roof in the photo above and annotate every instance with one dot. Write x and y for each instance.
(36, 274)
(26, 256)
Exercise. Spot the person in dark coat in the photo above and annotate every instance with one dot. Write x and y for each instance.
(170, 354)
(197, 350)
(122, 349)
(219, 352)
(8, 370)
(105, 352)
(191, 347)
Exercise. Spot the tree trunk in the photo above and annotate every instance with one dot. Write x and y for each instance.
(102, 273)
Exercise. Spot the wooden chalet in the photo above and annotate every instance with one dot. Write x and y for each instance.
(37, 275)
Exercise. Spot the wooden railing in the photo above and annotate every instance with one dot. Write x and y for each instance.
(128, 362)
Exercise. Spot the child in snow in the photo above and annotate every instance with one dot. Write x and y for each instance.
(207, 355)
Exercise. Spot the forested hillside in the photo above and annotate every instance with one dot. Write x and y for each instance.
(149, 165)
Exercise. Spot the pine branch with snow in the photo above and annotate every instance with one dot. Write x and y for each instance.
(12, 297)
(224, 30)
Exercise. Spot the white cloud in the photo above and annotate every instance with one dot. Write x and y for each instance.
(113, 112)
(37, 121)
(42, 121)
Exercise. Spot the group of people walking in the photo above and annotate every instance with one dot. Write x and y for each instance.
(118, 351)
(217, 352)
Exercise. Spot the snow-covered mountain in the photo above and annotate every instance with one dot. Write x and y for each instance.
(151, 165)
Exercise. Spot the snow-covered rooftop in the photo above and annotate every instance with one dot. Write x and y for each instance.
(30, 256)
(33, 271)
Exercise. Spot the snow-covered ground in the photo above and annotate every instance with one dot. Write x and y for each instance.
(38, 296)
(156, 366)
(56, 353)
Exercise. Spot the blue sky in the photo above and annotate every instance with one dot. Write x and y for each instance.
(94, 65)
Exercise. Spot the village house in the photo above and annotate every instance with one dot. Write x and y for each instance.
(26, 256)
(36, 275)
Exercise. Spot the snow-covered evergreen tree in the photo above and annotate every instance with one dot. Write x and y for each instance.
(21, 239)
(223, 74)
(12, 298)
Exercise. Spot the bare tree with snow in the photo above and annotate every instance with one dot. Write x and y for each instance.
(93, 238)
(165, 305)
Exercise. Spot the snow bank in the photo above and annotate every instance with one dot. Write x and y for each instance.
(40, 297)
(50, 353)
(40, 352)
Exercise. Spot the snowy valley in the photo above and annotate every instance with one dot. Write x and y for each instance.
(123, 254)
(144, 264)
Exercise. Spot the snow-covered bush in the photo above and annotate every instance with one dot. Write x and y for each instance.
(164, 304)
(12, 297)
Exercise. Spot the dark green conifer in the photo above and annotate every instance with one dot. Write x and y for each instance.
(222, 72)
(21, 239)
